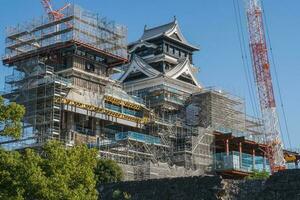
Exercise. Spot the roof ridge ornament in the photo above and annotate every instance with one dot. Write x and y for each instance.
(175, 21)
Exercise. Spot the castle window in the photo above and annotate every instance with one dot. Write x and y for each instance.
(167, 48)
(98, 59)
(176, 52)
(81, 53)
(89, 67)
(173, 50)
(160, 47)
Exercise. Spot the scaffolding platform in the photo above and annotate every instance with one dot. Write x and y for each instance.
(137, 137)
(78, 27)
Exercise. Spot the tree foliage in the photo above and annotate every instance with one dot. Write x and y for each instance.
(108, 171)
(10, 119)
(56, 173)
(257, 175)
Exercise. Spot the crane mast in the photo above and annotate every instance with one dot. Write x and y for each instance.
(261, 67)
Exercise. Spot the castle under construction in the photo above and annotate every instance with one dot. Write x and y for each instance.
(156, 120)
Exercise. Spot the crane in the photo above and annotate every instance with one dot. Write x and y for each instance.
(54, 14)
(263, 79)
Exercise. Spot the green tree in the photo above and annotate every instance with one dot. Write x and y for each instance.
(11, 115)
(108, 171)
(10, 185)
(56, 172)
(258, 175)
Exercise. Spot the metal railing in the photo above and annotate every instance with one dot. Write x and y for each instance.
(244, 162)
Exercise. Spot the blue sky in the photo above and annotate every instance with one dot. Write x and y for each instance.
(209, 24)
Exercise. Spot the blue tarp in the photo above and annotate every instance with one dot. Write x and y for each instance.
(232, 161)
(127, 111)
(138, 137)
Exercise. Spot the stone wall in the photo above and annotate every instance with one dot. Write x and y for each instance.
(283, 185)
(157, 171)
(241, 189)
(170, 189)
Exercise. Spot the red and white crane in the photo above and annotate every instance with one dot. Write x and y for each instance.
(261, 67)
(54, 14)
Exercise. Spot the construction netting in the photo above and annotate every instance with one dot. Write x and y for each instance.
(76, 24)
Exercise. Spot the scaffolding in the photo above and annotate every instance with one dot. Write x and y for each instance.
(77, 25)
(61, 74)
(193, 147)
(188, 146)
(254, 129)
(162, 97)
(217, 109)
(132, 148)
(108, 109)
(35, 86)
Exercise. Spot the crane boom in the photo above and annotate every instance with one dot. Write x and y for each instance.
(261, 67)
(53, 14)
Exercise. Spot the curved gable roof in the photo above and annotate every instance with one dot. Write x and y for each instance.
(138, 64)
(183, 67)
(166, 30)
(157, 31)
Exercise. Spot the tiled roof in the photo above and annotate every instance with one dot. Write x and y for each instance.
(157, 31)
(166, 30)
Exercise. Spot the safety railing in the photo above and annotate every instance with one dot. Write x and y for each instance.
(244, 162)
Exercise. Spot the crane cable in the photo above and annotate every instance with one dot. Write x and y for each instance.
(276, 77)
(241, 37)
